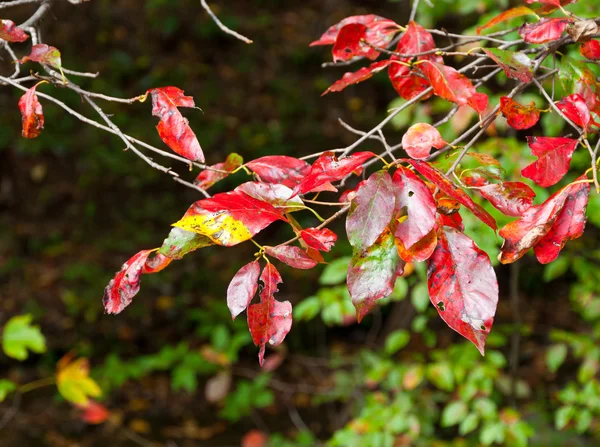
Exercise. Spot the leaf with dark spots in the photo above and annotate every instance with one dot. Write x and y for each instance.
(518, 116)
(372, 273)
(420, 138)
(420, 250)
(181, 242)
(371, 211)
(156, 263)
(43, 54)
(510, 198)
(293, 256)
(415, 207)
(12, 33)
(32, 114)
(445, 185)
(319, 239)
(329, 168)
(590, 50)
(516, 65)
(506, 15)
(358, 76)
(463, 286)
(569, 224)
(242, 288)
(209, 177)
(575, 108)
(330, 36)
(349, 43)
(273, 193)
(546, 30)
(554, 158)
(270, 320)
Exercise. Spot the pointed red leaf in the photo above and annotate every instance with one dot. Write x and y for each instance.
(518, 116)
(575, 108)
(32, 119)
(371, 211)
(516, 65)
(420, 138)
(554, 159)
(12, 33)
(445, 185)
(546, 30)
(273, 193)
(349, 43)
(321, 240)
(463, 286)
(242, 288)
(93, 412)
(208, 177)
(506, 15)
(156, 263)
(270, 320)
(511, 198)
(330, 36)
(43, 54)
(293, 256)
(590, 50)
(372, 273)
(358, 76)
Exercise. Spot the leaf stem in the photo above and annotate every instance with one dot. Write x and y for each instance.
(36, 384)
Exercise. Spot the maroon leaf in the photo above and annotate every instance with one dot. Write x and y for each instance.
(270, 320)
(463, 286)
(420, 138)
(242, 288)
(319, 239)
(511, 198)
(546, 30)
(293, 256)
(554, 158)
(32, 119)
(12, 33)
(518, 116)
(449, 188)
(371, 211)
(516, 65)
(358, 76)
(590, 50)
(575, 108)
(208, 177)
(43, 54)
(125, 285)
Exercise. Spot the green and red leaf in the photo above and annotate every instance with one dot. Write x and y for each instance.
(516, 65)
(242, 288)
(32, 114)
(510, 198)
(209, 177)
(319, 239)
(12, 33)
(518, 116)
(546, 30)
(554, 158)
(181, 242)
(420, 138)
(43, 54)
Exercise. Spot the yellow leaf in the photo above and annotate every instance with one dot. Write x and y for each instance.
(220, 227)
(73, 381)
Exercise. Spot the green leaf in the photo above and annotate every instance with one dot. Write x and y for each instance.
(588, 369)
(19, 336)
(396, 340)
(556, 269)
(468, 424)
(584, 420)
(335, 272)
(420, 297)
(563, 416)
(494, 432)
(6, 386)
(307, 309)
(400, 289)
(440, 374)
(454, 413)
(555, 356)
(184, 378)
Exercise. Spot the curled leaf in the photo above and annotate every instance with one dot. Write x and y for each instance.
(242, 288)
(575, 108)
(590, 50)
(43, 54)
(322, 240)
(518, 116)
(12, 33)
(32, 120)
(293, 256)
(358, 76)
(516, 65)
(126, 284)
(209, 177)
(420, 138)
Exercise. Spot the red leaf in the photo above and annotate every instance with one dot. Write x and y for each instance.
(348, 43)
(358, 76)
(453, 220)
(449, 188)
(569, 224)
(276, 195)
(93, 412)
(420, 138)
(590, 50)
(330, 36)
(407, 84)
(43, 54)
(242, 288)
(208, 177)
(293, 256)
(126, 284)
(546, 30)
(506, 15)
(173, 128)
(328, 168)
(288, 171)
(321, 240)
(554, 159)
(419, 251)
(516, 65)
(12, 33)
(32, 119)
(415, 208)
(511, 198)
(156, 263)
(519, 117)
(556, 3)
(372, 273)
(575, 108)
(371, 211)
(270, 320)
(463, 286)
(449, 84)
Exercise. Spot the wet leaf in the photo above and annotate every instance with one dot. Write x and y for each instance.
(510, 198)
(73, 380)
(12, 33)
(575, 108)
(518, 116)
(358, 76)
(322, 240)
(506, 15)
(43, 54)
(181, 242)
(293, 256)
(242, 288)
(208, 178)
(546, 30)
(554, 158)
(270, 320)
(516, 65)
(420, 138)
(32, 120)
(590, 50)
(463, 286)
(19, 336)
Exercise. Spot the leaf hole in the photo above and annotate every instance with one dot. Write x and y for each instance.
(411, 193)
(441, 306)
(483, 328)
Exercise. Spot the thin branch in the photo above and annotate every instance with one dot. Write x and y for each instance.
(5, 5)
(413, 11)
(220, 25)
(12, 54)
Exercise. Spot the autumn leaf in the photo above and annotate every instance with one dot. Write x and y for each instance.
(506, 15)
(590, 50)
(330, 36)
(420, 138)
(420, 250)
(546, 30)
(270, 320)
(173, 128)
(510, 198)
(358, 76)
(463, 286)
(516, 65)
(556, 3)
(518, 116)
(32, 120)
(275, 194)
(126, 284)
(371, 211)
(372, 273)
(452, 220)
(43, 54)
(209, 177)
(73, 380)
(93, 412)
(351, 39)
(242, 288)
(181, 242)
(12, 33)
(319, 239)
(281, 169)
(575, 108)
(293, 256)
(554, 158)
(156, 263)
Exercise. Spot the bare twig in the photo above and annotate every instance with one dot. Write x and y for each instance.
(413, 11)
(220, 25)
(13, 3)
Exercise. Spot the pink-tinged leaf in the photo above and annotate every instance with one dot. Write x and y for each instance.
(349, 43)
(516, 65)
(371, 211)
(329, 168)
(590, 50)
(453, 191)
(449, 84)
(518, 116)
(569, 224)
(350, 194)
(12, 33)
(415, 207)
(293, 256)
(506, 15)
(270, 320)
(273, 193)
(420, 138)
(319, 239)
(372, 273)
(156, 263)
(463, 286)
(358, 76)
(32, 114)
(575, 108)
(242, 288)
(288, 171)
(511, 198)
(43, 54)
(229, 218)
(208, 177)
(125, 285)
(419, 251)
(546, 30)
(330, 36)
(554, 158)
(173, 128)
